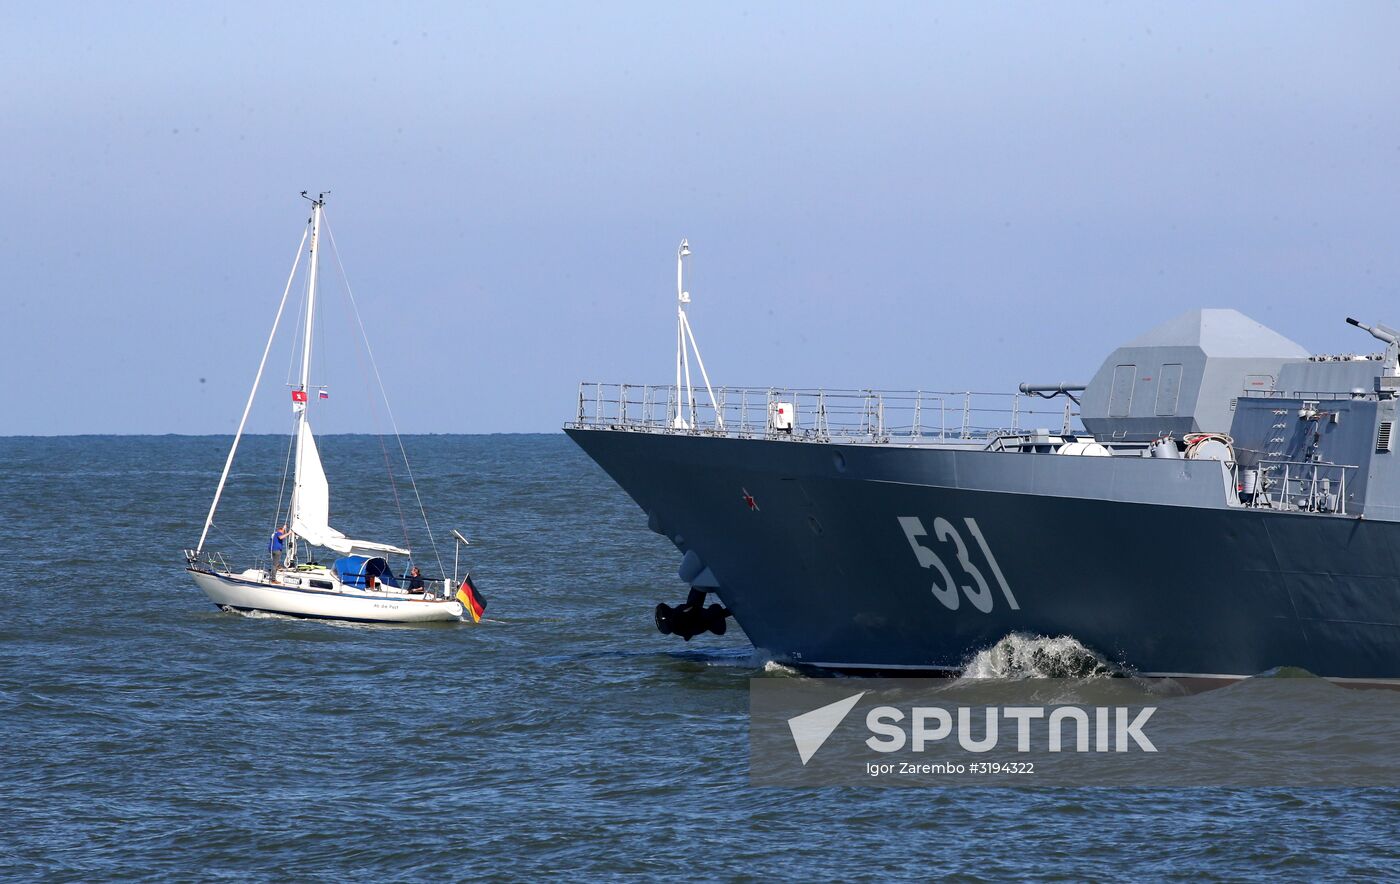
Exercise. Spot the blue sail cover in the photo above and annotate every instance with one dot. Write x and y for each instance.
(352, 571)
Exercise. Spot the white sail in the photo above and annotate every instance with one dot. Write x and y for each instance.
(312, 503)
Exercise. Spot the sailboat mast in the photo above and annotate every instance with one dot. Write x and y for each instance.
(303, 405)
(311, 296)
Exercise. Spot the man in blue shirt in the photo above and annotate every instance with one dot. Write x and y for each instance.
(277, 543)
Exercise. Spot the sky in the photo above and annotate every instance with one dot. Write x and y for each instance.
(888, 195)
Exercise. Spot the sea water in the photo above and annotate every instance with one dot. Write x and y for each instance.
(147, 734)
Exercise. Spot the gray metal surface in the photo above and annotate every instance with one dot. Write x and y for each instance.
(888, 553)
(1181, 376)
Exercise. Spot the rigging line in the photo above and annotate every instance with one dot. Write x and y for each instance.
(379, 432)
(384, 394)
(282, 489)
(394, 487)
(262, 363)
(379, 429)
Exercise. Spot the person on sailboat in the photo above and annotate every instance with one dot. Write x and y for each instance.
(277, 543)
(415, 579)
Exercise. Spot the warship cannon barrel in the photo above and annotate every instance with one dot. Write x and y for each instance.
(1053, 388)
(1050, 391)
(1378, 331)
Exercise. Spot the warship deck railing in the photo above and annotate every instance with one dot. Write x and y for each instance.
(1299, 486)
(1320, 396)
(819, 415)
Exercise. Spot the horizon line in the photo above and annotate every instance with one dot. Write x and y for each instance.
(230, 435)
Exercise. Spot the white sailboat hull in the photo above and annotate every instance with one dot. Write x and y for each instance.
(355, 588)
(247, 593)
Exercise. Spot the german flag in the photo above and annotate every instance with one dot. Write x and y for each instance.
(472, 599)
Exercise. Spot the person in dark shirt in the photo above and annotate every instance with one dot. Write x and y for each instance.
(415, 579)
(277, 543)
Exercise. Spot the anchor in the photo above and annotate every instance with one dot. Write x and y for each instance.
(693, 617)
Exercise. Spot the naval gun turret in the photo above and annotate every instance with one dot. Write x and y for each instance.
(1184, 376)
(1391, 337)
(1381, 332)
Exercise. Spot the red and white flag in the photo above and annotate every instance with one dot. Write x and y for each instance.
(298, 395)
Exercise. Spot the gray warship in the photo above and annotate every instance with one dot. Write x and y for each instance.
(1215, 502)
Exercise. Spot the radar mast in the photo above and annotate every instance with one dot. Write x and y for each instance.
(685, 343)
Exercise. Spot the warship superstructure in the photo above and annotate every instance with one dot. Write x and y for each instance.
(1215, 501)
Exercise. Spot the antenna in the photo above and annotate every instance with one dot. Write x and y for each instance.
(685, 342)
(457, 554)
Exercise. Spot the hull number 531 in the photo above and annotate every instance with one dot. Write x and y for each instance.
(945, 588)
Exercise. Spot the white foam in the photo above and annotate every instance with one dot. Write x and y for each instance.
(763, 659)
(773, 667)
(1021, 655)
(259, 615)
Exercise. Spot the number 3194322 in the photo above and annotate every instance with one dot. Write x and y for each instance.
(945, 588)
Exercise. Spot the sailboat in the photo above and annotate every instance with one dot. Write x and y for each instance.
(359, 583)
